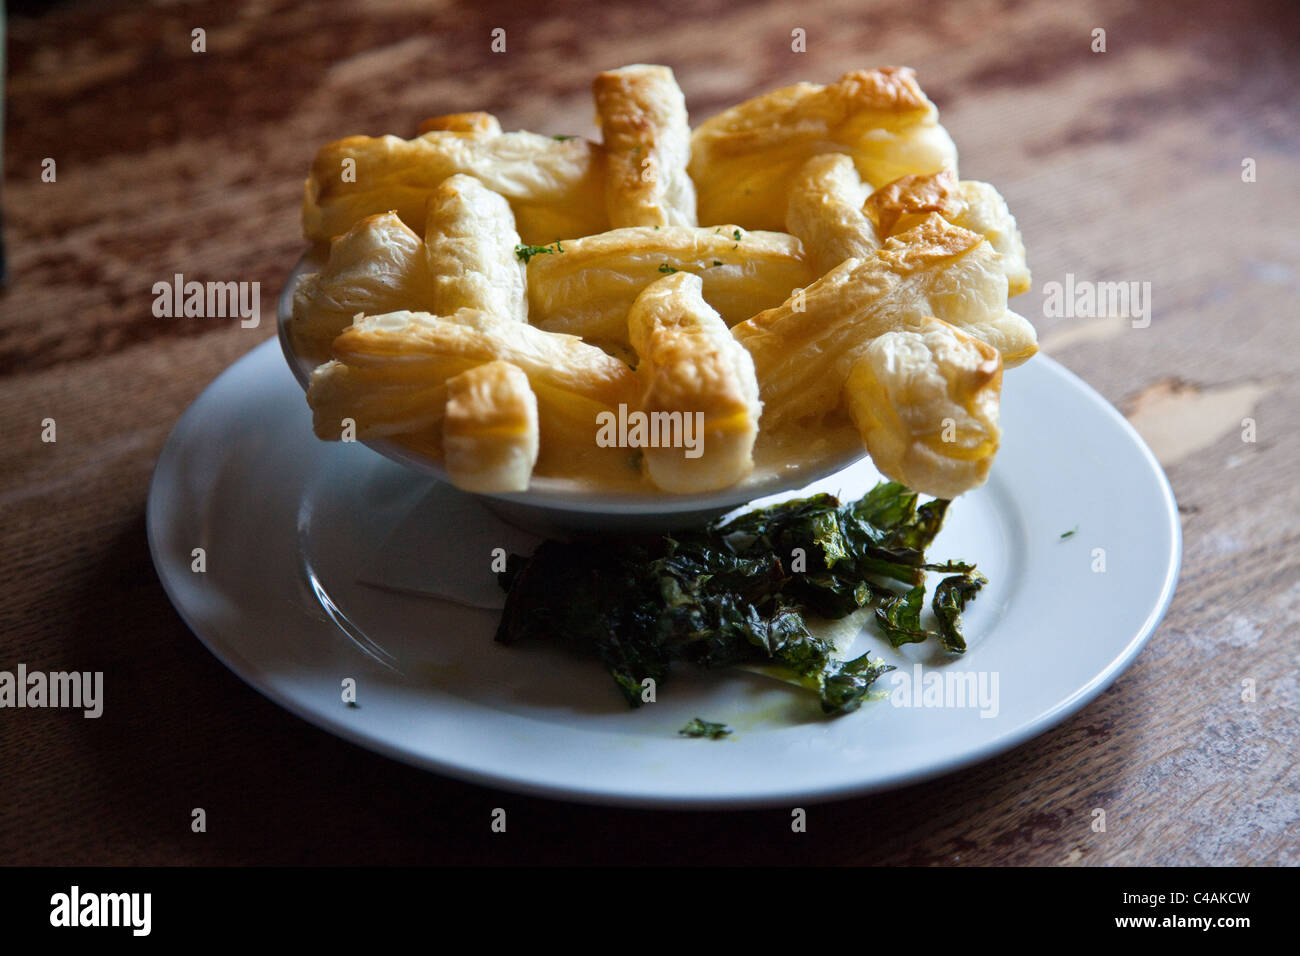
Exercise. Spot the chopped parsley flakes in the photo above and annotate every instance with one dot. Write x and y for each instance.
(527, 252)
(705, 728)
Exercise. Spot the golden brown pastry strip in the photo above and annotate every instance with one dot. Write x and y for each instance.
(647, 138)
(466, 260)
(925, 401)
(811, 352)
(470, 242)
(390, 373)
(479, 124)
(556, 188)
(378, 266)
(744, 159)
(587, 288)
(490, 434)
(979, 207)
(825, 211)
(698, 380)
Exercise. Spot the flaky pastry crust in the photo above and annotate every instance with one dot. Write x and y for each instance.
(466, 260)
(925, 400)
(378, 266)
(480, 124)
(588, 289)
(490, 296)
(825, 211)
(804, 349)
(555, 187)
(389, 376)
(490, 434)
(979, 207)
(647, 139)
(689, 363)
(470, 242)
(744, 159)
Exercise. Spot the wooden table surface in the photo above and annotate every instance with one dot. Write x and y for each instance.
(1120, 165)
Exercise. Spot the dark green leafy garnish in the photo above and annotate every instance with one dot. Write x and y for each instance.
(948, 567)
(950, 599)
(1071, 533)
(899, 617)
(844, 687)
(562, 138)
(705, 728)
(738, 592)
(527, 252)
(666, 269)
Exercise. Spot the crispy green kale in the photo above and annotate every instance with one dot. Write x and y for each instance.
(950, 599)
(843, 687)
(705, 728)
(737, 592)
(899, 617)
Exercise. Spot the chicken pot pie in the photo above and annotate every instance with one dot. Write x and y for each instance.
(802, 266)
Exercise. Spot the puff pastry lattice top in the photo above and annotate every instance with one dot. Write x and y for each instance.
(805, 263)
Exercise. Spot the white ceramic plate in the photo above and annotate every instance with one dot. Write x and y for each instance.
(288, 524)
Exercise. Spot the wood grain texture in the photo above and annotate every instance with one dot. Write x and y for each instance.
(1123, 165)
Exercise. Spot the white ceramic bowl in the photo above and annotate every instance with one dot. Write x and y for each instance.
(555, 506)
